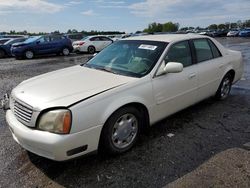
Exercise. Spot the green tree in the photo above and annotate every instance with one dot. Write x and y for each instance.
(170, 27)
(213, 27)
(222, 26)
(153, 27)
(247, 23)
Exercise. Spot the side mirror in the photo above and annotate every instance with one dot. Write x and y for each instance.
(173, 67)
(38, 42)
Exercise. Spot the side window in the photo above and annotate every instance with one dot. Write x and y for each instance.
(44, 39)
(95, 39)
(56, 38)
(215, 50)
(105, 39)
(203, 50)
(180, 53)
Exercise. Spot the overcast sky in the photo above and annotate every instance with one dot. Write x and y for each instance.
(122, 15)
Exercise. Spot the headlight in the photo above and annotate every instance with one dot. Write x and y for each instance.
(56, 121)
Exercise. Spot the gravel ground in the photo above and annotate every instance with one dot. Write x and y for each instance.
(200, 132)
(230, 168)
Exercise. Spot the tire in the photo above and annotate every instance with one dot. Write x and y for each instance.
(2, 54)
(224, 88)
(65, 51)
(91, 49)
(121, 131)
(29, 54)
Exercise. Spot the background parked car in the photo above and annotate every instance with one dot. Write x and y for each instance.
(5, 48)
(92, 44)
(3, 40)
(233, 33)
(12, 36)
(75, 36)
(245, 33)
(40, 45)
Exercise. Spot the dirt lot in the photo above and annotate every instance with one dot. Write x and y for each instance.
(200, 132)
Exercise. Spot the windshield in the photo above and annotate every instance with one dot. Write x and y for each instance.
(134, 58)
(32, 39)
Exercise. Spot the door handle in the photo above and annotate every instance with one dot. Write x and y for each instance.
(192, 76)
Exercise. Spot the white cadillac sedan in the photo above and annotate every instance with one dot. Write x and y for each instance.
(92, 44)
(107, 102)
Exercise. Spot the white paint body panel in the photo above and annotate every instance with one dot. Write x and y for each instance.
(106, 92)
(99, 45)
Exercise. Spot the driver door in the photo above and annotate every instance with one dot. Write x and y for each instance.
(176, 91)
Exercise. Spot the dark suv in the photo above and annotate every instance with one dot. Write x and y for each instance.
(41, 45)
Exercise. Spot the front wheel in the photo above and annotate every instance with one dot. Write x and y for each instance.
(224, 88)
(121, 131)
(29, 54)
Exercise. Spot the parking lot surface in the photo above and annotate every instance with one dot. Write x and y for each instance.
(197, 134)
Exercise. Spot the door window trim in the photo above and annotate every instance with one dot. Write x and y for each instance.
(194, 49)
(168, 47)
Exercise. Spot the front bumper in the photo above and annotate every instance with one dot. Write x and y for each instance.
(16, 52)
(50, 145)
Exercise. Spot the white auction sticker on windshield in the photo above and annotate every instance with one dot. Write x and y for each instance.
(147, 47)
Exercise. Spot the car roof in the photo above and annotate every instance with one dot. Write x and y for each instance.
(167, 37)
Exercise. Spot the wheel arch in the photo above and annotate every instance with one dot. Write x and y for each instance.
(138, 105)
(230, 71)
(5, 52)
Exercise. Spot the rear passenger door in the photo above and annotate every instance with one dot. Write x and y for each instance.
(97, 43)
(106, 42)
(208, 60)
(56, 43)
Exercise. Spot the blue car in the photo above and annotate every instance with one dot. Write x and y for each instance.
(41, 45)
(6, 46)
(245, 33)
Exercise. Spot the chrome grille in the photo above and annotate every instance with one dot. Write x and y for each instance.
(22, 112)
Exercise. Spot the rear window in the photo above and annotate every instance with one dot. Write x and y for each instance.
(216, 52)
(203, 50)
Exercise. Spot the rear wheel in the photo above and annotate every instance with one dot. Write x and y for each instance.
(121, 131)
(91, 49)
(224, 88)
(65, 51)
(2, 54)
(29, 54)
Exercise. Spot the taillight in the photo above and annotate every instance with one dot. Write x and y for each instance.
(81, 43)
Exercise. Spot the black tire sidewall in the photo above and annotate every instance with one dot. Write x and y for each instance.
(218, 93)
(26, 55)
(105, 139)
(89, 49)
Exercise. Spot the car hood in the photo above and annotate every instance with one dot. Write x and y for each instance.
(66, 87)
(18, 44)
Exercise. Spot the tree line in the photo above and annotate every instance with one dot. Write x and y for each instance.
(70, 31)
(152, 28)
(173, 27)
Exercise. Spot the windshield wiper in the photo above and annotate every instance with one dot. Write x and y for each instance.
(106, 70)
